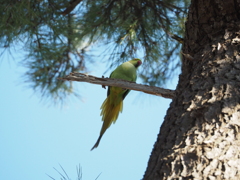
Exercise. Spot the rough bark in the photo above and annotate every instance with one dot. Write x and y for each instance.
(200, 138)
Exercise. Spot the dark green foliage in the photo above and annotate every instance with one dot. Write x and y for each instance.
(134, 28)
(56, 42)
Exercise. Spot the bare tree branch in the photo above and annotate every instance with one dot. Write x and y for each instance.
(72, 5)
(166, 93)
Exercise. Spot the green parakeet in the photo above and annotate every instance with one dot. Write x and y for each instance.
(113, 104)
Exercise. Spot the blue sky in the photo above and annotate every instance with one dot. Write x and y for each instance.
(37, 137)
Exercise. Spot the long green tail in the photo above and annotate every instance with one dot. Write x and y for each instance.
(110, 112)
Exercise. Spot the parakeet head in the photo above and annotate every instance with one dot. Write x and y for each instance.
(136, 62)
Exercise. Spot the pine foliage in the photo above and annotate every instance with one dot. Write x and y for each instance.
(56, 35)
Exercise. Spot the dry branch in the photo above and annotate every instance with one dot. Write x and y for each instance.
(166, 93)
(72, 5)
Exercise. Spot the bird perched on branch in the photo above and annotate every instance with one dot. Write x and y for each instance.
(113, 104)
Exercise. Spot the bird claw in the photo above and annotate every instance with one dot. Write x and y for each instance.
(103, 86)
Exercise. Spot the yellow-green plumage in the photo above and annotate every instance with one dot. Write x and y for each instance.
(113, 104)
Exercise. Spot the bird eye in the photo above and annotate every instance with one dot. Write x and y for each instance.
(139, 63)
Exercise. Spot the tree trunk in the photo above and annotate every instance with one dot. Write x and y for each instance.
(200, 138)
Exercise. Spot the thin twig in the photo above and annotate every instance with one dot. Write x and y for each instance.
(72, 5)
